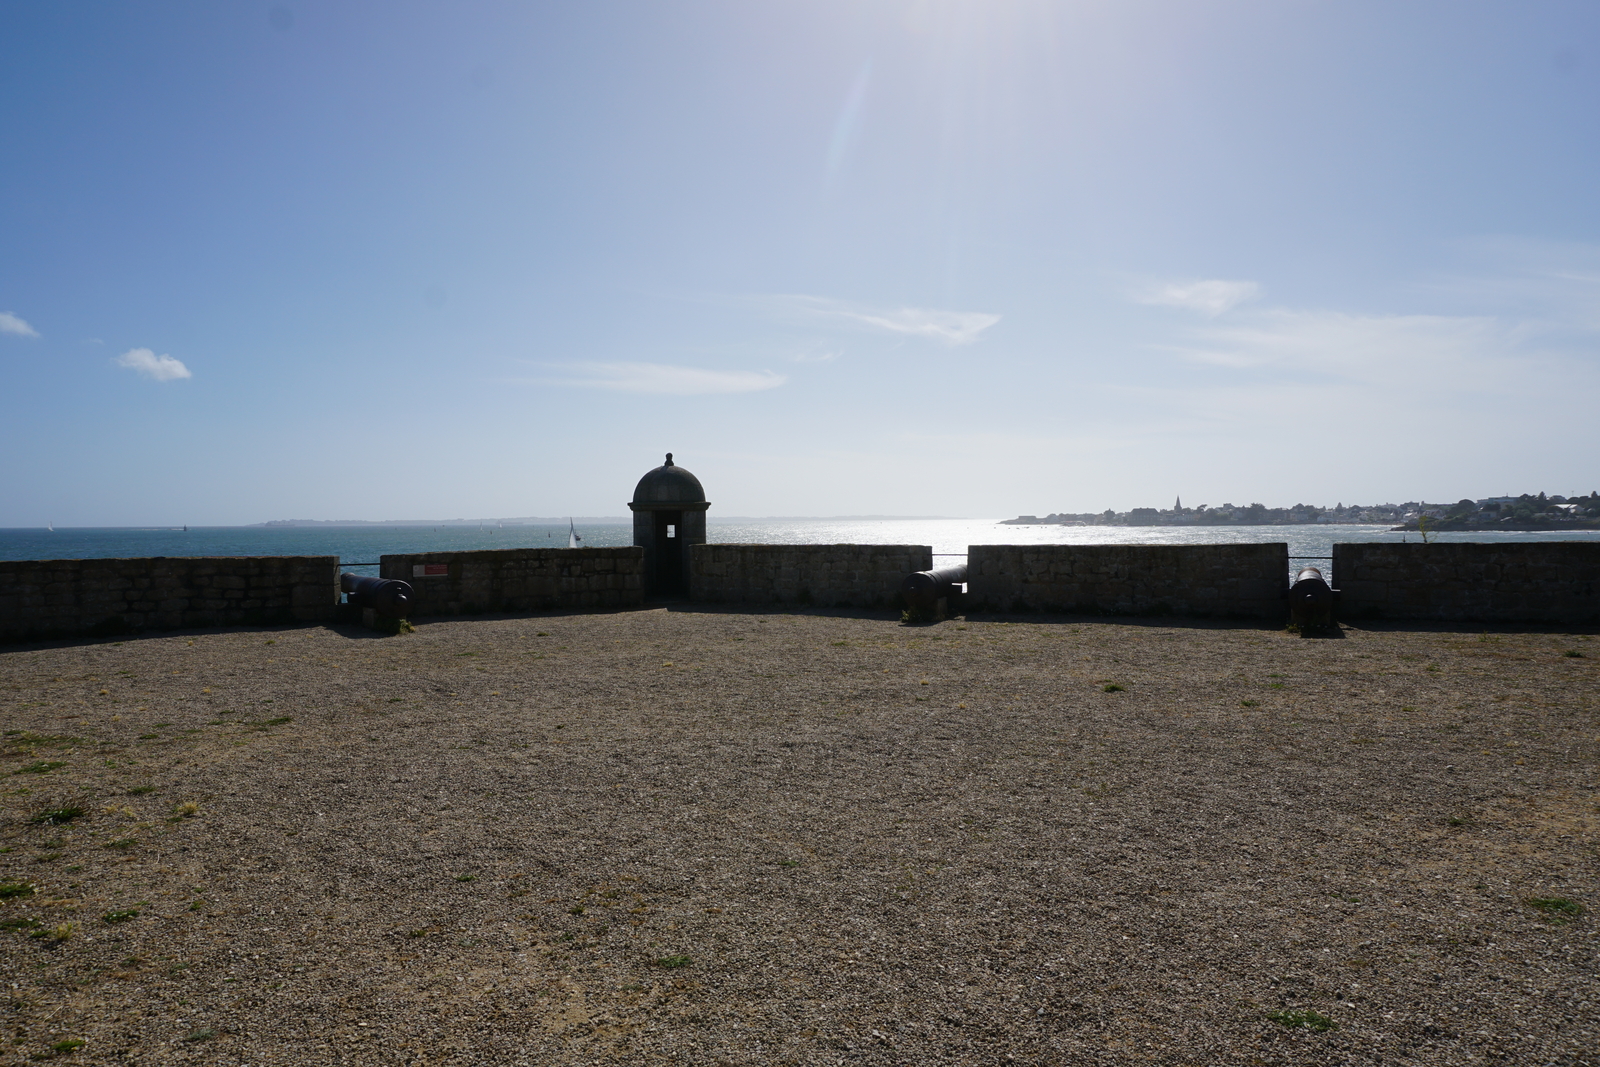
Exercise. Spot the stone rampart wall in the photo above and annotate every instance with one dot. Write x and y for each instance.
(66, 597)
(1219, 580)
(520, 579)
(859, 576)
(1518, 582)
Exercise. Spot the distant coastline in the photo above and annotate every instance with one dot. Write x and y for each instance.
(1527, 512)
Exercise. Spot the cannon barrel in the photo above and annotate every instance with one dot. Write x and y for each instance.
(386, 596)
(1310, 600)
(924, 589)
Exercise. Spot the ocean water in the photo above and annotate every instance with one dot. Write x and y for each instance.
(949, 537)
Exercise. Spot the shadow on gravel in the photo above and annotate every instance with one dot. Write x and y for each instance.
(85, 640)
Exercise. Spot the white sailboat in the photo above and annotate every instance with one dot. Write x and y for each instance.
(51, 526)
(573, 540)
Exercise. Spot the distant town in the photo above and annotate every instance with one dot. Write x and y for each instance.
(1525, 512)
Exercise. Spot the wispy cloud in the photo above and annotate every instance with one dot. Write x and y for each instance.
(1209, 297)
(162, 368)
(10, 323)
(950, 327)
(669, 380)
(1439, 352)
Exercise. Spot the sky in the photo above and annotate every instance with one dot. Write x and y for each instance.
(381, 260)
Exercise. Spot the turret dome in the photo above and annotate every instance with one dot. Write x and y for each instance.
(669, 484)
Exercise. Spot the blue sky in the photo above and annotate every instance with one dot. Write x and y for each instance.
(379, 260)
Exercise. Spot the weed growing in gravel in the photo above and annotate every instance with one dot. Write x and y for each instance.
(1557, 909)
(58, 933)
(1573, 653)
(1249, 703)
(141, 790)
(205, 1034)
(466, 878)
(122, 842)
(70, 1044)
(57, 816)
(788, 863)
(1459, 820)
(187, 809)
(672, 962)
(1308, 1018)
(40, 767)
(10, 890)
(1112, 687)
(576, 909)
(18, 924)
(120, 916)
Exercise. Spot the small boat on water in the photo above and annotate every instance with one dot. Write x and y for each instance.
(573, 540)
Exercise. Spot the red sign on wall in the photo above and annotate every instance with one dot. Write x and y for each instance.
(430, 570)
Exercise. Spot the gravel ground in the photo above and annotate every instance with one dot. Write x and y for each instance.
(717, 837)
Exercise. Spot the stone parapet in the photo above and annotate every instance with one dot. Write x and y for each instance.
(68, 597)
(860, 576)
(1240, 581)
(520, 579)
(1551, 581)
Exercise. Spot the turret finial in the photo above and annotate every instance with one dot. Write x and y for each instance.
(669, 459)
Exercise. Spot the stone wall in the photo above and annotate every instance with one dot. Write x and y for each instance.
(66, 597)
(520, 579)
(1221, 580)
(842, 576)
(1553, 581)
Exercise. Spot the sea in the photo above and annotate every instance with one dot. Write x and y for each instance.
(358, 547)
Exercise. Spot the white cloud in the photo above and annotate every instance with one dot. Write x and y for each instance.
(950, 327)
(161, 368)
(670, 380)
(1210, 297)
(1439, 352)
(10, 323)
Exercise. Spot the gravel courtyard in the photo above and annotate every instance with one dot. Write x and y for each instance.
(717, 837)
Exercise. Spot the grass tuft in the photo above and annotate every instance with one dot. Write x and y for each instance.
(1113, 687)
(57, 816)
(1559, 909)
(121, 916)
(672, 962)
(1307, 1018)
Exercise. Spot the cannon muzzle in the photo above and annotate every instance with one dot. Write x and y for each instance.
(1310, 600)
(386, 596)
(924, 589)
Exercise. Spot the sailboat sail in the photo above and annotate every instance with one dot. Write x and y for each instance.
(573, 540)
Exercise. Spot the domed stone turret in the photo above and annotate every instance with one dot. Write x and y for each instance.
(669, 515)
(669, 484)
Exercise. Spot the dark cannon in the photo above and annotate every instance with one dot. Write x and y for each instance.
(1311, 600)
(924, 589)
(386, 596)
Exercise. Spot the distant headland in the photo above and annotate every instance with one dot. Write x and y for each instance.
(1525, 512)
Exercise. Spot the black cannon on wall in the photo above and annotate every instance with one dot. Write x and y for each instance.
(386, 596)
(924, 589)
(1311, 600)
